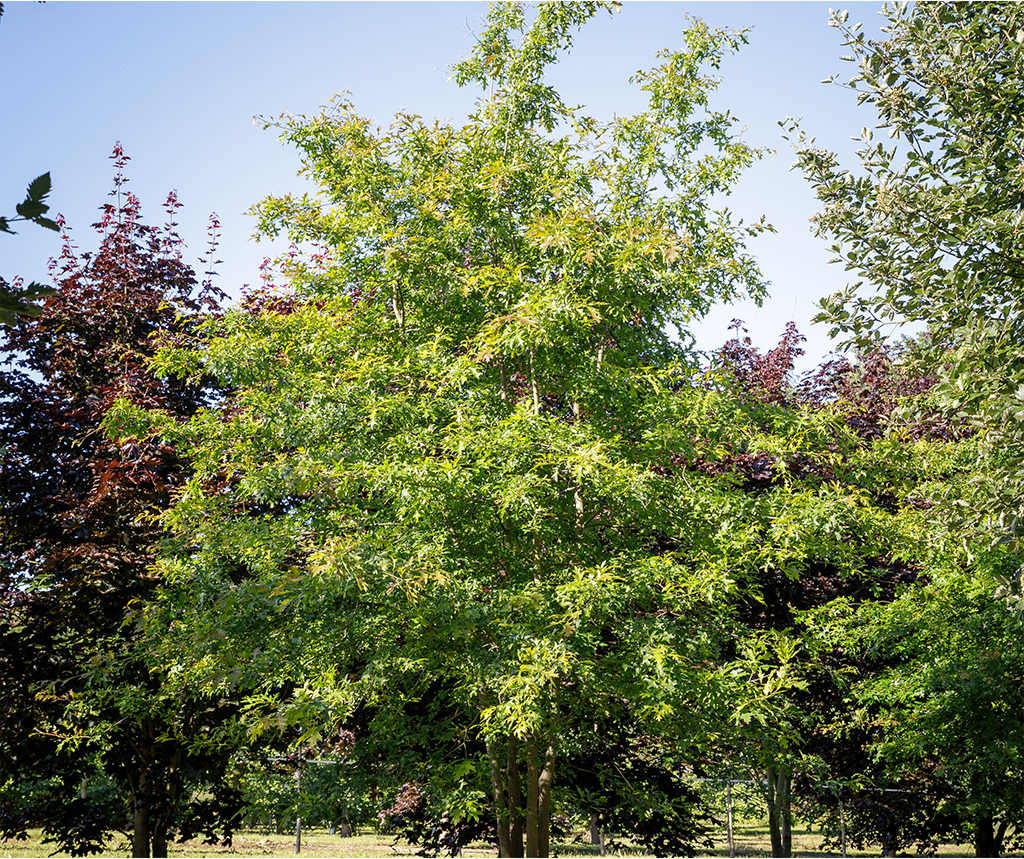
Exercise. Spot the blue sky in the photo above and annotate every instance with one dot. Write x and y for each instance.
(178, 84)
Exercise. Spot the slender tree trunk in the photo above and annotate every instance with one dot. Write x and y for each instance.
(398, 305)
(515, 798)
(779, 814)
(533, 383)
(532, 797)
(1000, 832)
(498, 791)
(785, 785)
(545, 782)
(577, 492)
(140, 817)
(889, 838)
(165, 792)
(160, 835)
(596, 832)
(773, 815)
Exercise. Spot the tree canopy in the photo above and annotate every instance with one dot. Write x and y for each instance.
(932, 222)
(456, 508)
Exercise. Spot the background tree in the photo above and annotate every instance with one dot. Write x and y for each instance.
(933, 222)
(939, 709)
(76, 510)
(835, 479)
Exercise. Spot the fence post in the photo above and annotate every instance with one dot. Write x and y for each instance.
(842, 828)
(298, 820)
(728, 805)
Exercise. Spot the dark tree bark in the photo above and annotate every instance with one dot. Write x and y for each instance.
(986, 843)
(545, 782)
(140, 817)
(515, 798)
(159, 848)
(498, 793)
(779, 811)
(532, 797)
(539, 780)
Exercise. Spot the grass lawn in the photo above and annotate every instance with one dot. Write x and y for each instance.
(750, 839)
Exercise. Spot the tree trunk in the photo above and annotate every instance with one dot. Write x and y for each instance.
(1000, 832)
(398, 305)
(140, 817)
(545, 782)
(779, 813)
(160, 836)
(532, 796)
(985, 837)
(533, 384)
(890, 838)
(515, 798)
(539, 781)
(498, 792)
(786, 784)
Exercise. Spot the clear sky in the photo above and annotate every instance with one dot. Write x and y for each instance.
(178, 84)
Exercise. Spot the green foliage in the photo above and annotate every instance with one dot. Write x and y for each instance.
(933, 222)
(458, 424)
(435, 477)
(941, 693)
(33, 208)
(18, 302)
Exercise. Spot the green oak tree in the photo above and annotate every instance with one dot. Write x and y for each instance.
(442, 474)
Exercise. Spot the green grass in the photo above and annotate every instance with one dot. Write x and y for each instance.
(750, 840)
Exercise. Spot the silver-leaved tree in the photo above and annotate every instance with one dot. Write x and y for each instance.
(933, 221)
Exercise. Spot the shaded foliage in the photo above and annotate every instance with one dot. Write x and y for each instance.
(411, 818)
(634, 786)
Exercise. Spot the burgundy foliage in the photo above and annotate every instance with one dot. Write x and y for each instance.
(411, 820)
(76, 511)
(867, 394)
